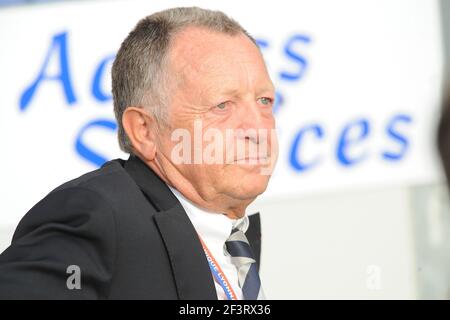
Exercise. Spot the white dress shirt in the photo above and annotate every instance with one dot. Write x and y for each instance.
(214, 229)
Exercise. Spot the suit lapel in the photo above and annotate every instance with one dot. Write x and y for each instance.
(253, 235)
(190, 268)
(192, 274)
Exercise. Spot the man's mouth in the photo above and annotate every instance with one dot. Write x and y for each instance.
(251, 160)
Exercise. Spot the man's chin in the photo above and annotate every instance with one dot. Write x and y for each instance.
(249, 189)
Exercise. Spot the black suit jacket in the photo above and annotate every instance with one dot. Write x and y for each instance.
(124, 228)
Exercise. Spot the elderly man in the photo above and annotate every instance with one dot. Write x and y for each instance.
(193, 101)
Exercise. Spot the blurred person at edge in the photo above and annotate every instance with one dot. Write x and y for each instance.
(150, 227)
(443, 140)
(443, 134)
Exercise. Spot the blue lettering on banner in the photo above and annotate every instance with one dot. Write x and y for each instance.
(58, 49)
(295, 162)
(293, 56)
(361, 127)
(87, 152)
(97, 89)
(296, 57)
(353, 136)
(398, 137)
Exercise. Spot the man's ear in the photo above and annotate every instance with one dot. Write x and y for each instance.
(140, 128)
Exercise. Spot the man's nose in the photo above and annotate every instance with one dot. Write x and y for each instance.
(252, 120)
(251, 116)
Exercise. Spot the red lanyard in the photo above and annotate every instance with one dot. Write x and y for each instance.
(218, 274)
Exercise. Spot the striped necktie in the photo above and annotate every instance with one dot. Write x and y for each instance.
(242, 257)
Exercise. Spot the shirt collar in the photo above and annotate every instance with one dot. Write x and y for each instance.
(211, 224)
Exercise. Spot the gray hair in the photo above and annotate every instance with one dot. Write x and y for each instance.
(139, 69)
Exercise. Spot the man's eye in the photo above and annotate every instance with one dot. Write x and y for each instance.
(266, 101)
(222, 105)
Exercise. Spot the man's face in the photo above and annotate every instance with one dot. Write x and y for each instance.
(220, 84)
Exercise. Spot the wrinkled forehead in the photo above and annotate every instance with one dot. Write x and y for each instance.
(197, 54)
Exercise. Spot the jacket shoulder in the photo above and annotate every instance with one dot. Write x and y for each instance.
(111, 172)
(74, 225)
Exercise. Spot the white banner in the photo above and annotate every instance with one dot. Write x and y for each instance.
(358, 86)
